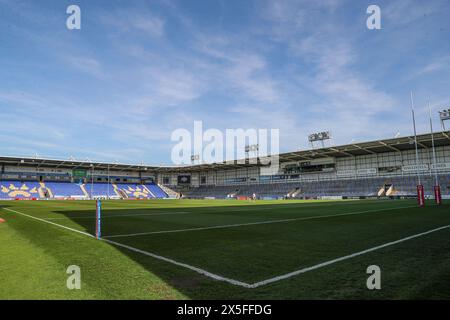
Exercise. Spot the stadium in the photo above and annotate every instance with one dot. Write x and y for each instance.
(178, 151)
(383, 168)
(199, 231)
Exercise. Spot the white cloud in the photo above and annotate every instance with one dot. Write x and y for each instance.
(404, 13)
(248, 74)
(441, 64)
(130, 20)
(87, 65)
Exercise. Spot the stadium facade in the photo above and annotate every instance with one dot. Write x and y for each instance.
(370, 169)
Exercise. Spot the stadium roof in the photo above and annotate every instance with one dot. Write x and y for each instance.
(355, 149)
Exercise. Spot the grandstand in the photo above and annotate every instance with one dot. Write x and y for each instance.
(10, 189)
(370, 169)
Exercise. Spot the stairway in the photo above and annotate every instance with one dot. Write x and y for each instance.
(172, 194)
(391, 191)
(293, 193)
(296, 193)
(86, 194)
(45, 192)
(234, 193)
(117, 191)
(148, 190)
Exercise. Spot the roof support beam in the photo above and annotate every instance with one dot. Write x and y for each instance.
(389, 146)
(446, 135)
(341, 151)
(365, 149)
(60, 164)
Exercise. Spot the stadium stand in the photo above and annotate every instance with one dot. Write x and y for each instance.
(170, 193)
(379, 168)
(155, 190)
(99, 189)
(10, 189)
(366, 187)
(134, 191)
(65, 189)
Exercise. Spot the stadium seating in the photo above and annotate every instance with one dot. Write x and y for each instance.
(147, 191)
(361, 187)
(401, 186)
(133, 191)
(99, 189)
(156, 190)
(170, 193)
(11, 189)
(65, 189)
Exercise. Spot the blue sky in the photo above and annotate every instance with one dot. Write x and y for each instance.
(137, 70)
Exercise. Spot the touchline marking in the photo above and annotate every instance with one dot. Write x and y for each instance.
(184, 265)
(251, 207)
(116, 215)
(327, 263)
(251, 223)
(52, 223)
(237, 282)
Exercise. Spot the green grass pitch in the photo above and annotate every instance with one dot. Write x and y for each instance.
(225, 249)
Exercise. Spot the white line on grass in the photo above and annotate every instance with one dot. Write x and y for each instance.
(319, 203)
(251, 223)
(327, 263)
(52, 223)
(244, 208)
(237, 282)
(187, 266)
(116, 215)
(184, 265)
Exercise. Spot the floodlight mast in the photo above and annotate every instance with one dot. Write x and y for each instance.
(253, 148)
(444, 115)
(195, 157)
(320, 136)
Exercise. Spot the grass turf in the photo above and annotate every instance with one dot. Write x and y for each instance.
(244, 241)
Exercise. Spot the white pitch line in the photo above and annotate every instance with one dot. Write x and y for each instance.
(251, 207)
(327, 263)
(233, 210)
(52, 223)
(184, 265)
(237, 282)
(251, 223)
(117, 215)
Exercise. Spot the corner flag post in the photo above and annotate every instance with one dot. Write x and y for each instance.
(98, 211)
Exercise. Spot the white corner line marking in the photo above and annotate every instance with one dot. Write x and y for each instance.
(184, 265)
(251, 223)
(327, 263)
(49, 222)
